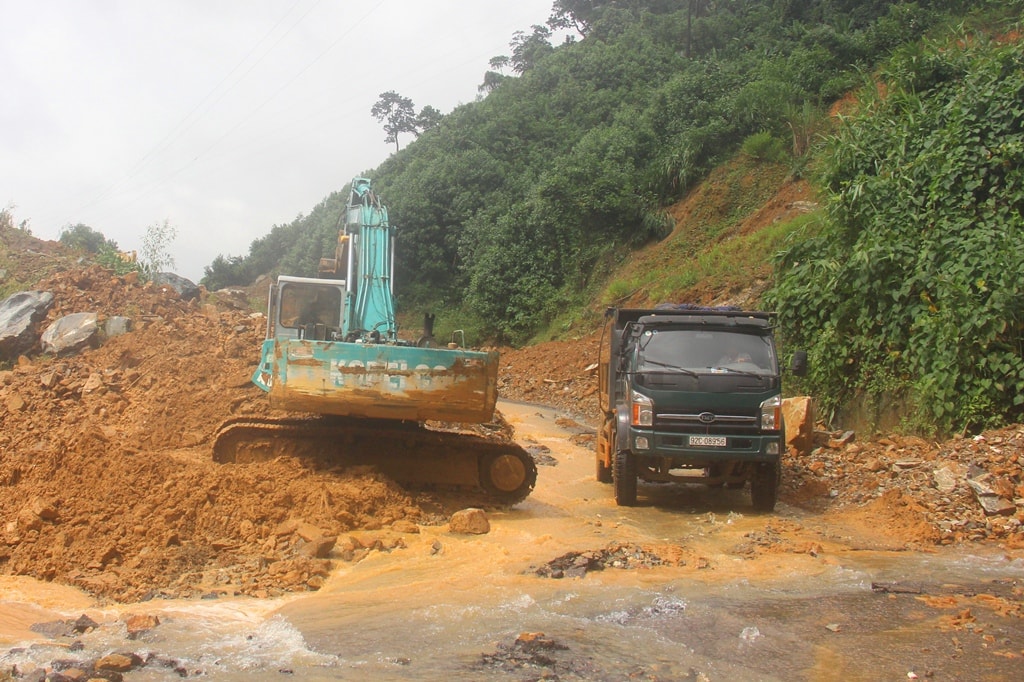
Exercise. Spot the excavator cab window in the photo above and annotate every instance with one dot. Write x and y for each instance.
(309, 304)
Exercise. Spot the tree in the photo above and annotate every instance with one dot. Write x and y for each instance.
(84, 238)
(428, 118)
(573, 14)
(528, 49)
(7, 220)
(156, 256)
(396, 113)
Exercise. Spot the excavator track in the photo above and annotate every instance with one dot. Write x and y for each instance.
(407, 452)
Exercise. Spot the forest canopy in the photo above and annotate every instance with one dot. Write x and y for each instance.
(515, 207)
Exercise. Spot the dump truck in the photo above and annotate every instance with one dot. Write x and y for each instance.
(332, 355)
(691, 394)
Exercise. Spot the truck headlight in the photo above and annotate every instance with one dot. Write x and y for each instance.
(771, 414)
(642, 410)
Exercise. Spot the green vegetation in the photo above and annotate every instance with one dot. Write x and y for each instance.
(512, 206)
(910, 294)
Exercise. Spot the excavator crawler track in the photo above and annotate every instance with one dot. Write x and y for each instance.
(407, 452)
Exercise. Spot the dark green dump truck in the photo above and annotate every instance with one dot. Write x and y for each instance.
(692, 395)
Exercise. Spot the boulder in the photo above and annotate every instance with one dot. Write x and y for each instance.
(234, 298)
(185, 288)
(470, 521)
(799, 414)
(20, 313)
(70, 333)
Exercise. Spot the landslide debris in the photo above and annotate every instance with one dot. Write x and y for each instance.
(106, 479)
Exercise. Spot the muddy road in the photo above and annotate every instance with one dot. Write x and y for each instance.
(689, 585)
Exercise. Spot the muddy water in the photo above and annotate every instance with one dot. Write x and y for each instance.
(751, 597)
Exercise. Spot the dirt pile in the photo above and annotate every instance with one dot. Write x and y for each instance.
(106, 480)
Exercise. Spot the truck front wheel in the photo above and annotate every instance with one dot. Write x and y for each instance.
(624, 478)
(764, 486)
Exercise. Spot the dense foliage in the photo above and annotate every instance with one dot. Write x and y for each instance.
(912, 289)
(515, 207)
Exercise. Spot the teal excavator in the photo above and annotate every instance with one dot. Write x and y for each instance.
(332, 352)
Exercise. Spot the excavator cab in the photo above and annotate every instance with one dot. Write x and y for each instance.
(306, 308)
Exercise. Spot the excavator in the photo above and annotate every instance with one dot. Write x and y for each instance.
(332, 352)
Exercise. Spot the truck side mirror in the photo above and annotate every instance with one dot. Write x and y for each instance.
(798, 365)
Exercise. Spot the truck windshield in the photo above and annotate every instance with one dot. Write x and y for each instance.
(705, 351)
(303, 304)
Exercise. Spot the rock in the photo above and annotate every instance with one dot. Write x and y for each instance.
(93, 384)
(945, 479)
(119, 662)
(993, 504)
(846, 438)
(139, 624)
(235, 298)
(69, 333)
(185, 288)
(470, 521)
(43, 507)
(116, 325)
(798, 413)
(15, 403)
(19, 315)
(318, 547)
(405, 526)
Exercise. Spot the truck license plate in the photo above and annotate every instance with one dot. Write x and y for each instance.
(708, 441)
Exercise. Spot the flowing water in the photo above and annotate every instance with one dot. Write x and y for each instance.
(451, 607)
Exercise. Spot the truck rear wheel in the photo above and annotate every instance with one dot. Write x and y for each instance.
(764, 486)
(624, 478)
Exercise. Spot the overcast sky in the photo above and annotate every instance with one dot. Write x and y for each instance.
(223, 117)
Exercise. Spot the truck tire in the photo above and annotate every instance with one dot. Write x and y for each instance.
(624, 478)
(604, 474)
(764, 486)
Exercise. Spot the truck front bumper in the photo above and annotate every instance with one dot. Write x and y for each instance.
(706, 448)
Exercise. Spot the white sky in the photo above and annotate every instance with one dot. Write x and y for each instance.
(224, 117)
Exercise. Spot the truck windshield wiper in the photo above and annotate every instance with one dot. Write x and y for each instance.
(744, 372)
(669, 369)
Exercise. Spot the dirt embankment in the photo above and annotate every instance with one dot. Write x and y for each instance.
(106, 480)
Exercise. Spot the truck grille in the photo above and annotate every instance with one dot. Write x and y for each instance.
(724, 424)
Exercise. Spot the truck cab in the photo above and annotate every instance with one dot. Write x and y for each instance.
(692, 395)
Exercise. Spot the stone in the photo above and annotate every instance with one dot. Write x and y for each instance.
(70, 333)
(119, 662)
(470, 521)
(405, 526)
(138, 624)
(93, 384)
(945, 479)
(185, 288)
(799, 414)
(116, 325)
(19, 315)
